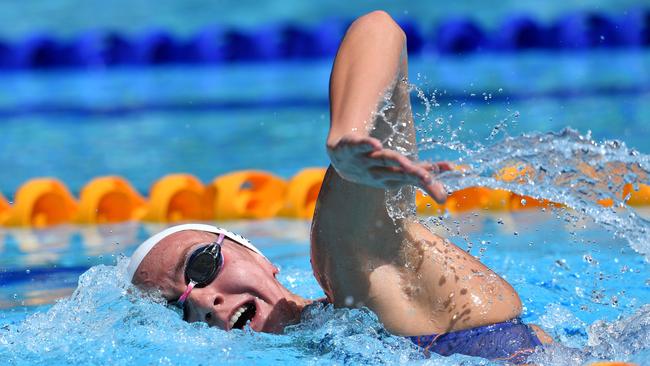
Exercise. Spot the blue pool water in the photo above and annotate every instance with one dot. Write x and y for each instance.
(63, 298)
(589, 291)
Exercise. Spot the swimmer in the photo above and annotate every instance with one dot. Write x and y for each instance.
(418, 284)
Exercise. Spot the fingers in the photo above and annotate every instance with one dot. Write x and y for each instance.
(394, 161)
(395, 177)
(390, 158)
(434, 188)
(384, 167)
(437, 191)
(445, 166)
(438, 167)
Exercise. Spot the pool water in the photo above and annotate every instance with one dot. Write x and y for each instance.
(145, 123)
(63, 297)
(590, 292)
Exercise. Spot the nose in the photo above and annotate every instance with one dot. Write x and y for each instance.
(207, 308)
(218, 300)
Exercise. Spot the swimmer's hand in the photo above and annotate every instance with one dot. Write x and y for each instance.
(362, 159)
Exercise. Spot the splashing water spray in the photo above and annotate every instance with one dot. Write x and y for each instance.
(563, 167)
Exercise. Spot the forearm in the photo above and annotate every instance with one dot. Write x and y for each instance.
(369, 62)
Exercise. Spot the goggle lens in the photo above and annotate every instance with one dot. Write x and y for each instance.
(203, 265)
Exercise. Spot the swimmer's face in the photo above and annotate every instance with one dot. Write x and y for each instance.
(245, 289)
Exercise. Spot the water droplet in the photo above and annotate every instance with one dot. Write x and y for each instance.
(349, 301)
(523, 202)
(625, 269)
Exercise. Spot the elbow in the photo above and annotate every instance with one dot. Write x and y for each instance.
(382, 23)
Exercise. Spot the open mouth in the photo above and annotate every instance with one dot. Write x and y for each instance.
(244, 314)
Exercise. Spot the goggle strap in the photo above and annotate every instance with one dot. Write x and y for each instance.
(185, 294)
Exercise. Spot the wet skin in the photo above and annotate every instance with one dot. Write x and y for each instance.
(245, 278)
(416, 282)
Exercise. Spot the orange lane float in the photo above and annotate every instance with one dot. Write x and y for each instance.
(519, 202)
(467, 199)
(109, 200)
(4, 209)
(42, 202)
(519, 173)
(302, 193)
(177, 197)
(640, 197)
(522, 173)
(477, 198)
(426, 205)
(248, 194)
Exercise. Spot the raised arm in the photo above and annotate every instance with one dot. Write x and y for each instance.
(416, 282)
(371, 132)
(371, 145)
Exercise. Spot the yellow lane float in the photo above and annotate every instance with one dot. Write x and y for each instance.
(42, 202)
(302, 193)
(108, 200)
(177, 197)
(249, 194)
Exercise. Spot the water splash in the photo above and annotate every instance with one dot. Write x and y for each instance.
(563, 167)
(108, 321)
(566, 168)
(626, 339)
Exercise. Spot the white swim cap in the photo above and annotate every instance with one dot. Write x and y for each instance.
(148, 244)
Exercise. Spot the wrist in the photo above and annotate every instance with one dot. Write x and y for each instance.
(335, 137)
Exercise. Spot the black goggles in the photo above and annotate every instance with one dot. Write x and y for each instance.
(202, 267)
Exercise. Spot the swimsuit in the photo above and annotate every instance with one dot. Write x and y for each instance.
(511, 341)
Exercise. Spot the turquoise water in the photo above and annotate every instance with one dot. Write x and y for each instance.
(63, 299)
(143, 124)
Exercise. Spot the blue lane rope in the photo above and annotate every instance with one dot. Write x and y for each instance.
(286, 41)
